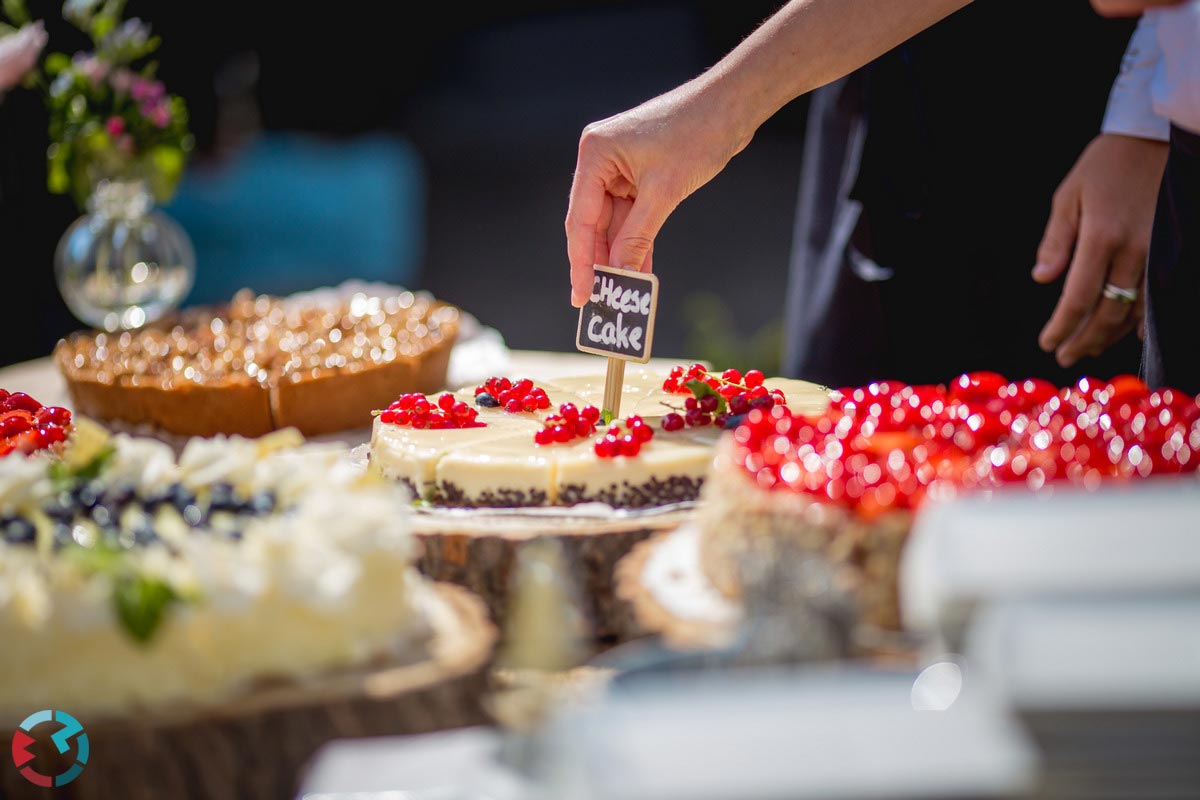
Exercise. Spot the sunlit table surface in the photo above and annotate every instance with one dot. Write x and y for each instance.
(41, 378)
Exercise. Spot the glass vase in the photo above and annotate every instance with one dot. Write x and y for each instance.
(123, 263)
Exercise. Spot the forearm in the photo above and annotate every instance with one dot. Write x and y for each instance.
(807, 44)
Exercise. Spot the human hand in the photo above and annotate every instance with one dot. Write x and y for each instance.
(635, 168)
(1100, 221)
(1128, 8)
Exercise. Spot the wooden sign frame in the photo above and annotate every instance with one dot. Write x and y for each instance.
(646, 277)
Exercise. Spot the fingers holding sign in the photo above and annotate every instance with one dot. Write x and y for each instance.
(1099, 232)
(613, 217)
(631, 173)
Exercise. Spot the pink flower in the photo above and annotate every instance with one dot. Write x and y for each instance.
(94, 69)
(121, 80)
(19, 52)
(146, 90)
(158, 113)
(115, 125)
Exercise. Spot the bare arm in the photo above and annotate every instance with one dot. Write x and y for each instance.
(1128, 8)
(635, 168)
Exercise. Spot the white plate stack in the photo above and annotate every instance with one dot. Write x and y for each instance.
(1082, 609)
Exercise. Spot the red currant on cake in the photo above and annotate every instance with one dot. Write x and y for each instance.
(415, 411)
(626, 440)
(571, 422)
(515, 398)
(723, 398)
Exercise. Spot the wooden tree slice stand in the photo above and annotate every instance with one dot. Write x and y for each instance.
(255, 747)
(651, 582)
(680, 631)
(478, 550)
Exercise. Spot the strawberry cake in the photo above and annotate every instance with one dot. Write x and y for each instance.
(514, 443)
(847, 482)
(26, 426)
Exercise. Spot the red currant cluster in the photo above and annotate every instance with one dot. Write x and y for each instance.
(26, 425)
(887, 445)
(725, 384)
(975, 411)
(722, 400)
(569, 423)
(626, 440)
(824, 456)
(416, 411)
(512, 397)
(1095, 431)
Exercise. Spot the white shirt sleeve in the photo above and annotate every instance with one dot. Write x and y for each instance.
(1176, 84)
(1130, 104)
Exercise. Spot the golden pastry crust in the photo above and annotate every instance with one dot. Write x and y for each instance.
(263, 363)
(336, 400)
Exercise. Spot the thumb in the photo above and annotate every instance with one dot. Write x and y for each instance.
(1062, 229)
(634, 241)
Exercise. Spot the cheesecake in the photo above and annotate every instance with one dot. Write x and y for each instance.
(140, 581)
(514, 449)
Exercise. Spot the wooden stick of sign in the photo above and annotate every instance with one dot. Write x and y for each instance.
(617, 322)
(614, 381)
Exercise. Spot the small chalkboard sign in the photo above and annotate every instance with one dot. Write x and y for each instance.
(618, 319)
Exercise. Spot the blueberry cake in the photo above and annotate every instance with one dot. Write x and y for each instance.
(132, 579)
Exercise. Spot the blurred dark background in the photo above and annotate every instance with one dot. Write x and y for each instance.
(439, 151)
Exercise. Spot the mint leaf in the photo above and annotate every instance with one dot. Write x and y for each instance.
(141, 603)
(607, 416)
(699, 389)
(60, 472)
(101, 559)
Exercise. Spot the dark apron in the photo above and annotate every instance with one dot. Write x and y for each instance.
(1172, 356)
(925, 188)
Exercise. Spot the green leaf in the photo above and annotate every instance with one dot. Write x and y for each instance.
(167, 163)
(102, 25)
(60, 472)
(701, 389)
(57, 62)
(58, 178)
(101, 559)
(607, 416)
(141, 603)
(6, 30)
(16, 11)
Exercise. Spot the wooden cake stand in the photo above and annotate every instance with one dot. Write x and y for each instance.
(667, 593)
(256, 745)
(478, 550)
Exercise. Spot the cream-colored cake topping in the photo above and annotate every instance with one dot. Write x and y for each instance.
(501, 465)
(323, 580)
